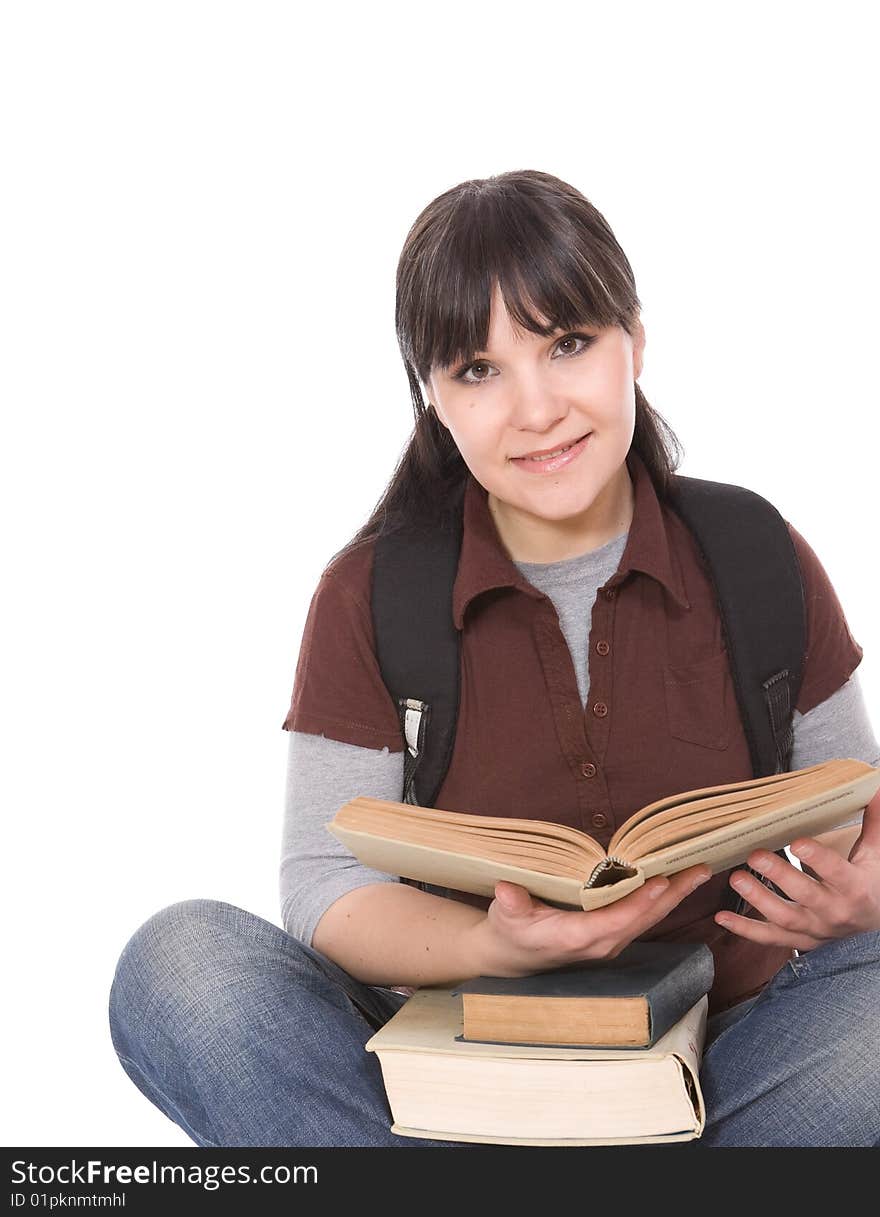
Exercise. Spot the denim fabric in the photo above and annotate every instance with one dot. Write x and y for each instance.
(244, 1036)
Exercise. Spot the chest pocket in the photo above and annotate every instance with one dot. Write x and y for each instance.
(698, 700)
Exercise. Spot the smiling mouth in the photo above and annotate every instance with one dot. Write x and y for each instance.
(552, 452)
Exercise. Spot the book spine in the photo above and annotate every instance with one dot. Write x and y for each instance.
(611, 863)
(678, 991)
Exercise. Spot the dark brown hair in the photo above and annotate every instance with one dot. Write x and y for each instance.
(548, 249)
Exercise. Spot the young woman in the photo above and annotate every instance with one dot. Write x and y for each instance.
(594, 680)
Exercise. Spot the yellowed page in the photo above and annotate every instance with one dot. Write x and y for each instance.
(563, 832)
(515, 849)
(461, 872)
(403, 1131)
(710, 795)
(729, 846)
(678, 820)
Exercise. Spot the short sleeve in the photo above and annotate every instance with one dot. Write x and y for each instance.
(338, 689)
(832, 652)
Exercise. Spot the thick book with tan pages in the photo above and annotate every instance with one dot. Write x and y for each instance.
(716, 825)
(444, 1089)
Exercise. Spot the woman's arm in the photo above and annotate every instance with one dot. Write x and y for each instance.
(316, 868)
(392, 934)
(838, 727)
(379, 930)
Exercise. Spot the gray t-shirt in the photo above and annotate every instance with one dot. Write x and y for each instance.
(322, 773)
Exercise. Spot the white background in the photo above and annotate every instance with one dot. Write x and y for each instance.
(203, 397)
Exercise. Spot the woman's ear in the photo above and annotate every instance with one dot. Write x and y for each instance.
(638, 348)
(438, 415)
(429, 395)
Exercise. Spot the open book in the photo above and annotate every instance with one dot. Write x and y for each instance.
(716, 825)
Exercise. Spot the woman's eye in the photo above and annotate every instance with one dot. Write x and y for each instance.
(586, 339)
(462, 375)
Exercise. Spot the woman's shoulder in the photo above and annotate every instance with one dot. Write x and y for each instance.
(338, 688)
(833, 653)
(351, 569)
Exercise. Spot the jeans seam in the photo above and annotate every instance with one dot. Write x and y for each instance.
(179, 1117)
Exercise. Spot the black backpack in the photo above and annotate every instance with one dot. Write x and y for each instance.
(749, 553)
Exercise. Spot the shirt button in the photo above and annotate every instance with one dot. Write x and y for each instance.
(600, 709)
(603, 648)
(588, 770)
(598, 820)
(609, 593)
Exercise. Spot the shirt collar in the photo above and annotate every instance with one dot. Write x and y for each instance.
(484, 563)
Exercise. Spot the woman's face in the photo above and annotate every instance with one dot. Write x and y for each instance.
(528, 394)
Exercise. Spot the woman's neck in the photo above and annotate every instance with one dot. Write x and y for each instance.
(529, 538)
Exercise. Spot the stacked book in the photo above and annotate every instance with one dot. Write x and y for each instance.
(601, 1053)
(604, 1052)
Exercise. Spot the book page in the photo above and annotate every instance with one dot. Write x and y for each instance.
(460, 872)
(709, 796)
(804, 788)
(408, 822)
(729, 846)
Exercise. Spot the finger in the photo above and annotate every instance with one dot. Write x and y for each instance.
(799, 886)
(785, 914)
(828, 864)
(625, 919)
(869, 841)
(513, 897)
(767, 933)
(654, 900)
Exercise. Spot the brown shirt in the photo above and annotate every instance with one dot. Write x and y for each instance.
(661, 715)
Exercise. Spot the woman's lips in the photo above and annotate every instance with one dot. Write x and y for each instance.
(554, 463)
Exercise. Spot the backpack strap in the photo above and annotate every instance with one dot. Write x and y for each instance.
(750, 556)
(417, 647)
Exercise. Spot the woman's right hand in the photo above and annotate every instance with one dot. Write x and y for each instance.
(520, 935)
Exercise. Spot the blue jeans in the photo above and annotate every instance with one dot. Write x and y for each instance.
(245, 1036)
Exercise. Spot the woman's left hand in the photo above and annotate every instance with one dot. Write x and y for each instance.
(843, 898)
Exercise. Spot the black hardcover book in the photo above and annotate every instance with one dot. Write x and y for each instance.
(653, 985)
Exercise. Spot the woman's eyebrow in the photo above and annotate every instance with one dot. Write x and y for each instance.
(485, 352)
